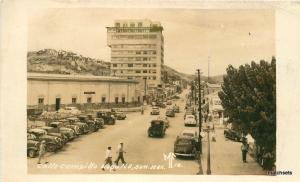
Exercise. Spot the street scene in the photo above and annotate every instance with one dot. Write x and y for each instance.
(140, 99)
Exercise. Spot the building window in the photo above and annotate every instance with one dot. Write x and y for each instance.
(144, 71)
(140, 24)
(121, 71)
(125, 25)
(144, 65)
(153, 71)
(154, 78)
(41, 100)
(137, 71)
(145, 52)
(154, 65)
(144, 59)
(130, 65)
(116, 100)
(154, 52)
(115, 65)
(132, 25)
(89, 100)
(123, 100)
(103, 99)
(117, 24)
(74, 100)
(138, 52)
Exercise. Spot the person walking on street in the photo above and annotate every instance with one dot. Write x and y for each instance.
(120, 153)
(42, 151)
(108, 158)
(244, 149)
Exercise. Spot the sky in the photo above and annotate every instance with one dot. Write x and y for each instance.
(192, 36)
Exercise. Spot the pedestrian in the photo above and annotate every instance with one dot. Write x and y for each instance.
(213, 136)
(244, 149)
(42, 151)
(120, 153)
(142, 110)
(108, 158)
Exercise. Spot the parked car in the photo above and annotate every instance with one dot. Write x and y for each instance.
(68, 132)
(53, 143)
(120, 115)
(185, 146)
(190, 133)
(170, 112)
(83, 127)
(55, 132)
(32, 148)
(75, 128)
(190, 120)
(108, 117)
(91, 123)
(154, 111)
(176, 108)
(70, 110)
(233, 135)
(157, 128)
(98, 121)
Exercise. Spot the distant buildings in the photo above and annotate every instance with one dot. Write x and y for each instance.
(212, 100)
(137, 51)
(53, 91)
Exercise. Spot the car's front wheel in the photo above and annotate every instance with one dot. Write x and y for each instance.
(31, 153)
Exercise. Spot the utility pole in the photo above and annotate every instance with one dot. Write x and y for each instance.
(195, 90)
(208, 70)
(199, 111)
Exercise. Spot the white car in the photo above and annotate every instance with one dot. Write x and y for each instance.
(71, 110)
(190, 120)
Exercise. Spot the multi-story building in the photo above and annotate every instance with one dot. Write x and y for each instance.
(137, 51)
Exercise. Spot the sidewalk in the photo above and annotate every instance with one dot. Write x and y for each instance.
(226, 158)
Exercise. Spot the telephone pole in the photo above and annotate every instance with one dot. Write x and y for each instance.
(199, 110)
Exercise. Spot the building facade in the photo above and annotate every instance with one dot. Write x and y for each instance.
(137, 51)
(53, 91)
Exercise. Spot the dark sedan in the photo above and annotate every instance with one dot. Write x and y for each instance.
(233, 135)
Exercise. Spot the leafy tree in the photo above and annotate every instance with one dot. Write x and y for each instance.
(249, 99)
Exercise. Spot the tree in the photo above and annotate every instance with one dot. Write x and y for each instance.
(249, 98)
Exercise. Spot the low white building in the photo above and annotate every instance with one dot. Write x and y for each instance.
(53, 91)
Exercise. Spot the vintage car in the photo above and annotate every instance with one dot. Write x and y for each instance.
(185, 146)
(176, 108)
(70, 110)
(53, 143)
(190, 120)
(107, 116)
(190, 133)
(98, 121)
(55, 132)
(83, 127)
(170, 112)
(120, 115)
(233, 135)
(90, 122)
(67, 131)
(157, 128)
(154, 111)
(32, 148)
(74, 127)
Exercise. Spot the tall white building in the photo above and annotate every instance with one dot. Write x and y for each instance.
(137, 51)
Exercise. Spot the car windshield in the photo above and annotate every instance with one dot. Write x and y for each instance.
(184, 142)
(190, 117)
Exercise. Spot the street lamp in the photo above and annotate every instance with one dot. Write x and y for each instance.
(208, 171)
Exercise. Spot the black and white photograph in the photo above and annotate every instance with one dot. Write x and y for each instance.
(154, 91)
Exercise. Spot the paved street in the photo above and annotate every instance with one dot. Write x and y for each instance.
(142, 151)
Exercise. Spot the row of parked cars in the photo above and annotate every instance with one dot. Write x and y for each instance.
(57, 133)
(190, 117)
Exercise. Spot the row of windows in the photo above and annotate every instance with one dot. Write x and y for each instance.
(133, 58)
(88, 100)
(135, 71)
(134, 37)
(133, 52)
(139, 24)
(141, 46)
(144, 77)
(134, 65)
